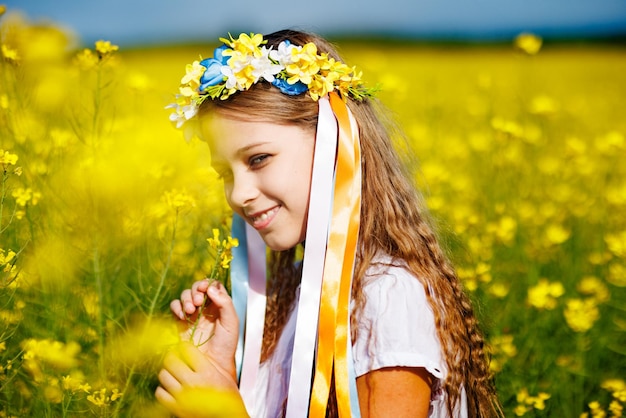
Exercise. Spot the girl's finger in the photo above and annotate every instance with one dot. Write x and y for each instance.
(223, 302)
(177, 309)
(188, 303)
(165, 398)
(169, 382)
(198, 291)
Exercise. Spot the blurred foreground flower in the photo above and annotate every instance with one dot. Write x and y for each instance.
(204, 402)
(43, 354)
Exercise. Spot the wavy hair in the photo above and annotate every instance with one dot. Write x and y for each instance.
(393, 221)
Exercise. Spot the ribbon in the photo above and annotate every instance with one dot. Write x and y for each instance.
(254, 281)
(320, 205)
(323, 313)
(333, 328)
(239, 282)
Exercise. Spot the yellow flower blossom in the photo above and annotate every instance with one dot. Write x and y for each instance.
(593, 287)
(24, 196)
(7, 158)
(49, 353)
(529, 43)
(191, 79)
(244, 44)
(526, 402)
(596, 410)
(557, 234)
(616, 409)
(581, 314)
(101, 399)
(105, 48)
(10, 54)
(6, 258)
(179, 199)
(543, 105)
(86, 59)
(544, 294)
(504, 229)
(616, 243)
(74, 383)
(617, 274)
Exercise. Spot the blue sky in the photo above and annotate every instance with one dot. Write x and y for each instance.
(136, 22)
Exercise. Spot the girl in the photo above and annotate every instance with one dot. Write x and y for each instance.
(402, 340)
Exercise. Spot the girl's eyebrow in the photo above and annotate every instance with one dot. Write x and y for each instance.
(248, 147)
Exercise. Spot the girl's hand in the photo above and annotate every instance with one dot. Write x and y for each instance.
(194, 386)
(207, 318)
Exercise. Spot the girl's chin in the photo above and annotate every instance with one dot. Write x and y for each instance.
(275, 244)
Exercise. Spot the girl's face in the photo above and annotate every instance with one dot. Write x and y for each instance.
(266, 170)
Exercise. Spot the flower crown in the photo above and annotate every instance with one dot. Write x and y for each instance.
(242, 62)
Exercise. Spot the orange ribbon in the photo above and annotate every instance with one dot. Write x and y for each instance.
(334, 320)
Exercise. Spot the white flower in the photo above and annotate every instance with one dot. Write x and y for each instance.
(283, 53)
(231, 80)
(264, 67)
(182, 114)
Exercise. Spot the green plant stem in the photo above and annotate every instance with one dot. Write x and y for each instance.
(153, 304)
(165, 271)
(98, 277)
(2, 196)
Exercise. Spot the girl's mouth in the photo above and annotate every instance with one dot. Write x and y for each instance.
(262, 220)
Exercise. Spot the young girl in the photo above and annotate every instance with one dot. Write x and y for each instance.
(373, 321)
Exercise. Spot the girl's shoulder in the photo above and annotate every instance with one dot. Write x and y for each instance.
(395, 324)
(389, 274)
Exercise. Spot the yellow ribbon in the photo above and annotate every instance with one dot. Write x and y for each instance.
(334, 317)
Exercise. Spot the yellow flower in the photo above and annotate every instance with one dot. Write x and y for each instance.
(616, 408)
(581, 314)
(215, 241)
(191, 79)
(105, 48)
(177, 200)
(617, 274)
(23, 196)
(529, 43)
(544, 295)
(74, 383)
(244, 45)
(10, 54)
(6, 158)
(304, 64)
(86, 59)
(616, 242)
(557, 234)
(101, 399)
(594, 287)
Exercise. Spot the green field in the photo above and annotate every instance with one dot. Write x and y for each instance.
(106, 210)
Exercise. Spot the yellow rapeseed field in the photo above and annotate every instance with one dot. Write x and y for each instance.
(105, 212)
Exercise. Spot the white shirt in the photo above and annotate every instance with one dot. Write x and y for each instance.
(395, 328)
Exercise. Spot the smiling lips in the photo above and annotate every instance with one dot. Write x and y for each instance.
(262, 220)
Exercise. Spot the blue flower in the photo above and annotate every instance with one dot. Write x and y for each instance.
(290, 89)
(213, 74)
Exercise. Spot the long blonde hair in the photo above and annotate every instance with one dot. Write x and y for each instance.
(393, 221)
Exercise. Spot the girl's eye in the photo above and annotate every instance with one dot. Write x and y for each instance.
(257, 160)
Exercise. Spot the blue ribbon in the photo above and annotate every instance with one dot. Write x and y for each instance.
(239, 282)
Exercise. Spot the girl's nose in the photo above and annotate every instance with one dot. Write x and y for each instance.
(243, 190)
